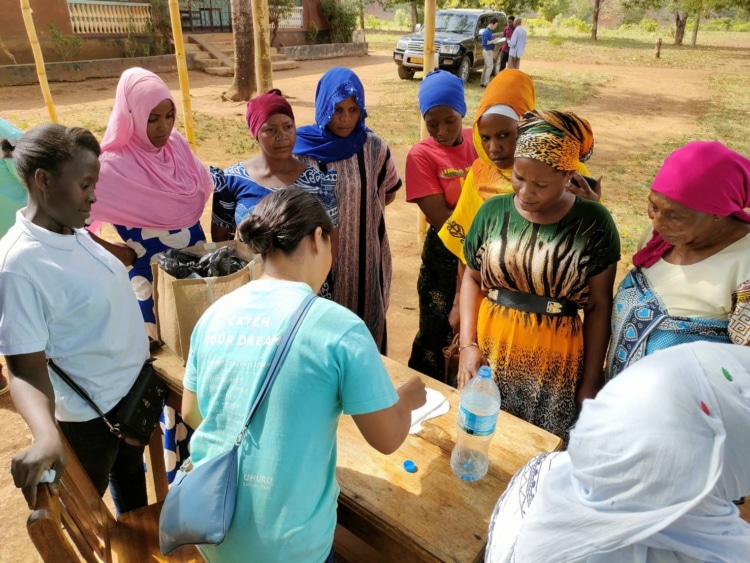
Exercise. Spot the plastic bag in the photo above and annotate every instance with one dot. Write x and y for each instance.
(182, 265)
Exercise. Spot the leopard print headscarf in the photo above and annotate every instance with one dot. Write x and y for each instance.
(558, 138)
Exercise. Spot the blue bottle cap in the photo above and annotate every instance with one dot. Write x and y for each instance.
(485, 372)
(410, 466)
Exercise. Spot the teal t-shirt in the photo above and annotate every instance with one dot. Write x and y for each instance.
(12, 193)
(287, 498)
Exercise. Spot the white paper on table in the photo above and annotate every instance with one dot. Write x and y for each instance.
(436, 405)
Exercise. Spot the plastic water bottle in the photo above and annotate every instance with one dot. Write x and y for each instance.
(475, 426)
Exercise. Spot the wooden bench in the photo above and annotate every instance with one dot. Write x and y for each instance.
(76, 525)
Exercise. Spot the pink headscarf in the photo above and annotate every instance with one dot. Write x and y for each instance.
(260, 108)
(141, 185)
(705, 176)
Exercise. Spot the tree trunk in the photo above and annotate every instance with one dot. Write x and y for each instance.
(413, 5)
(680, 21)
(696, 23)
(262, 45)
(595, 19)
(243, 83)
(361, 14)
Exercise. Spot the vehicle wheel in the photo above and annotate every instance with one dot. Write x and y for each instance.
(405, 73)
(464, 69)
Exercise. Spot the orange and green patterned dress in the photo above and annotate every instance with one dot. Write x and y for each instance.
(536, 359)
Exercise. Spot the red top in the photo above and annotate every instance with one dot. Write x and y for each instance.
(507, 33)
(434, 169)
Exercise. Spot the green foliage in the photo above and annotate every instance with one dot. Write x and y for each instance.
(716, 24)
(342, 19)
(312, 33)
(536, 23)
(277, 11)
(554, 39)
(402, 18)
(574, 23)
(741, 27)
(649, 25)
(372, 22)
(548, 9)
(65, 45)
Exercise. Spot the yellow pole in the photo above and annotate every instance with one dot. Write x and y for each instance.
(182, 71)
(428, 65)
(38, 59)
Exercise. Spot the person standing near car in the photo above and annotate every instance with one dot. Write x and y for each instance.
(488, 51)
(517, 44)
(505, 49)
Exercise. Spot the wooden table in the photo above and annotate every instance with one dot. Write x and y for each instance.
(387, 514)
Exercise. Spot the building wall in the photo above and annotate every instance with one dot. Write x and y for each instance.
(13, 30)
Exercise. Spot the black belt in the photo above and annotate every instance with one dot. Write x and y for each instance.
(532, 303)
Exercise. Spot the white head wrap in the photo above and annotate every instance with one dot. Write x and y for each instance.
(653, 465)
(502, 109)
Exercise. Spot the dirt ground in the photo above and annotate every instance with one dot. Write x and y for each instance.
(638, 107)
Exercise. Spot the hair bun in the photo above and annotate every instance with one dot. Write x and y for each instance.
(256, 233)
(7, 147)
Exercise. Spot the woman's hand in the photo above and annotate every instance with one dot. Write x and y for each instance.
(469, 361)
(28, 466)
(413, 392)
(580, 187)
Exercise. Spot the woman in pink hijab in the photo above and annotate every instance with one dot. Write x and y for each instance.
(153, 190)
(691, 280)
(151, 187)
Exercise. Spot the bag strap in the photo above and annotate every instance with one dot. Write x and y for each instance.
(80, 391)
(278, 359)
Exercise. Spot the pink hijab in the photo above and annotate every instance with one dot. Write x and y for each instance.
(705, 176)
(141, 185)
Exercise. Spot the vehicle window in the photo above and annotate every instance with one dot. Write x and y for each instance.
(455, 23)
(483, 21)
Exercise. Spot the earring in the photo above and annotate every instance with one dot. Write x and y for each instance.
(716, 219)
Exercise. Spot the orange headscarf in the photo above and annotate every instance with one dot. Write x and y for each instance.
(511, 88)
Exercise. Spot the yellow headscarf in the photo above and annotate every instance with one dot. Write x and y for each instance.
(511, 88)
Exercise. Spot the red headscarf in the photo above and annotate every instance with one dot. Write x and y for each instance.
(260, 108)
(705, 176)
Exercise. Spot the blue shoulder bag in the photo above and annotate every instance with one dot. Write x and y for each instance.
(200, 503)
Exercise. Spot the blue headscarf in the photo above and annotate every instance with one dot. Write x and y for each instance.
(441, 88)
(316, 140)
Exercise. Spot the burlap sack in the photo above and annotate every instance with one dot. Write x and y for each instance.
(180, 303)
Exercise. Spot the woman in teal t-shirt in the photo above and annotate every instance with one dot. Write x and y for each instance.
(12, 192)
(286, 501)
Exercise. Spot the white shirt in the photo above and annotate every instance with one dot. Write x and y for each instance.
(517, 42)
(67, 296)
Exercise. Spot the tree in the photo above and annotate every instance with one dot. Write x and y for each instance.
(277, 11)
(262, 46)
(595, 19)
(243, 84)
(548, 9)
(683, 8)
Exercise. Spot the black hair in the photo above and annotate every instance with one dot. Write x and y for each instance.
(47, 147)
(282, 219)
(493, 20)
(511, 18)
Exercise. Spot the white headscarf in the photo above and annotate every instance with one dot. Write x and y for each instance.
(653, 465)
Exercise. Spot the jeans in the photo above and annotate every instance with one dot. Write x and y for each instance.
(489, 63)
(329, 559)
(109, 460)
